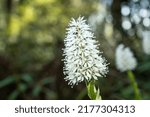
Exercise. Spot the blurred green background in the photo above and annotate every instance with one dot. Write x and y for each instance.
(31, 42)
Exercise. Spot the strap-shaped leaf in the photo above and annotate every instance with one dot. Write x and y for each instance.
(93, 93)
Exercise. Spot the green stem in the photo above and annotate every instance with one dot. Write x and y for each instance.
(134, 85)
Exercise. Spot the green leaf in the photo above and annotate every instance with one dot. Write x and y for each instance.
(144, 67)
(27, 78)
(50, 94)
(36, 91)
(47, 80)
(93, 93)
(98, 97)
(13, 95)
(22, 87)
(127, 92)
(91, 90)
(6, 81)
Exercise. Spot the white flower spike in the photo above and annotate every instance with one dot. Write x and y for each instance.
(124, 59)
(82, 57)
(146, 42)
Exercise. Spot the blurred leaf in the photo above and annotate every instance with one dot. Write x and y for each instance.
(127, 92)
(13, 95)
(146, 85)
(146, 96)
(6, 81)
(47, 80)
(22, 87)
(144, 67)
(36, 91)
(27, 78)
(50, 94)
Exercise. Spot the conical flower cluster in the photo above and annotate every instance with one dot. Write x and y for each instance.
(146, 42)
(83, 60)
(124, 59)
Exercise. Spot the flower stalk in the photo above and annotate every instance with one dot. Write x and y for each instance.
(134, 85)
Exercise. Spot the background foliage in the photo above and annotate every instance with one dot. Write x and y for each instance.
(31, 42)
